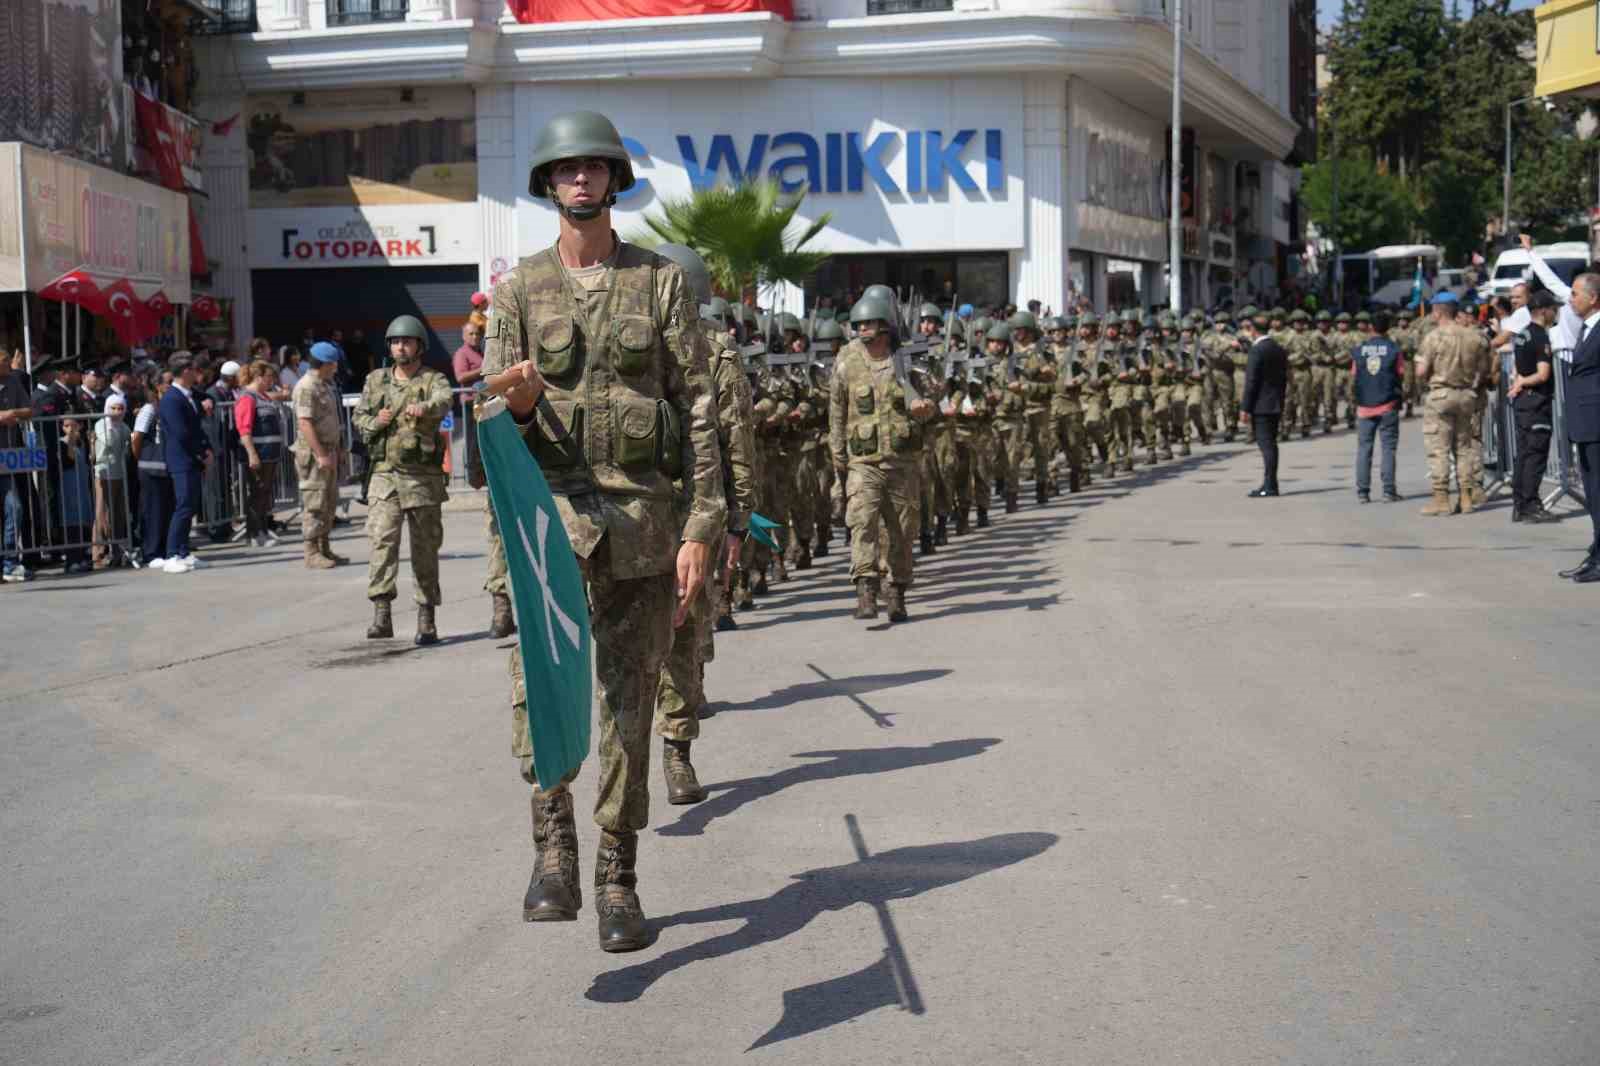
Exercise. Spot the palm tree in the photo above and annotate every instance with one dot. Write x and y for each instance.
(742, 231)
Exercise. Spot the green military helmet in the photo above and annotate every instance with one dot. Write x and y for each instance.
(1193, 320)
(931, 311)
(841, 316)
(1130, 317)
(1342, 316)
(872, 306)
(694, 270)
(407, 326)
(827, 330)
(1250, 311)
(1089, 318)
(788, 323)
(1023, 320)
(1362, 317)
(886, 294)
(1147, 321)
(1221, 318)
(1324, 316)
(578, 135)
(981, 324)
(1069, 322)
(716, 308)
(999, 331)
(1297, 315)
(1051, 323)
(1167, 320)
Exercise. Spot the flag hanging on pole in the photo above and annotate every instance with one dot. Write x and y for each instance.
(547, 591)
(1416, 287)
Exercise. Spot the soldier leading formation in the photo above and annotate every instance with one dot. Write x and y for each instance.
(686, 421)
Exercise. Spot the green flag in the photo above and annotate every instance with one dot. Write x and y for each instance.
(547, 590)
(762, 529)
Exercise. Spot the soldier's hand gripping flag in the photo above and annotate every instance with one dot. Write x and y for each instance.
(547, 591)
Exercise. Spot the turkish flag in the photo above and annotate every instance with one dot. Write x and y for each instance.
(76, 287)
(129, 316)
(205, 308)
(159, 305)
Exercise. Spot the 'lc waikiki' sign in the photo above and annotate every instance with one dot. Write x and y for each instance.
(922, 161)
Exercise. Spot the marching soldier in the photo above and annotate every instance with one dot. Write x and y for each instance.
(1066, 402)
(1124, 364)
(1032, 387)
(610, 333)
(1303, 347)
(1095, 388)
(399, 415)
(827, 332)
(876, 431)
(1163, 380)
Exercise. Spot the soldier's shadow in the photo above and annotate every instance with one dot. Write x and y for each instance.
(903, 873)
(728, 796)
(841, 686)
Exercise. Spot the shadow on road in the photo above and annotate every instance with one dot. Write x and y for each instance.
(876, 880)
(842, 686)
(730, 796)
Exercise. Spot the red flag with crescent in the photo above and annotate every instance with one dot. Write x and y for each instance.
(159, 305)
(205, 308)
(76, 287)
(129, 316)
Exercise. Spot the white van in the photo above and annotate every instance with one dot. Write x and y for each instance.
(1567, 259)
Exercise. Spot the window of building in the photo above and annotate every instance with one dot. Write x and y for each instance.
(354, 12)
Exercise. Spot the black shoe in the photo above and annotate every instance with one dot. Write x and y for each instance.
(983, 518)
(1391, 496)
(725, 623)
(1539, 515)
(1257, 494)
(1572, 572)
(1516, 513)
(1585, 577)
(1364, 497)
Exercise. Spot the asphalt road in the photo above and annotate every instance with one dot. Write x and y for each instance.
(1156, 774)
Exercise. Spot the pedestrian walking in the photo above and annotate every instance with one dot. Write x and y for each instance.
(1378, 371)
(156, 497)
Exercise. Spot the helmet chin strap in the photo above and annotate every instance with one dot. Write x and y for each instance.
(588, 212)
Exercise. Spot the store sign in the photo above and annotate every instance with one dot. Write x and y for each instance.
(899, 164)
(377, 236)
(82, 217)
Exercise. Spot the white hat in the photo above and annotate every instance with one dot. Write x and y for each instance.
(229, 369)
(115, 400)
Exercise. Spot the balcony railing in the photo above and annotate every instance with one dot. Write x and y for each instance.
(234, 16)
(360, 12)
(907, 7)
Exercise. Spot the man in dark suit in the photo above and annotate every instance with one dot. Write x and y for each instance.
(1583, 414)
(1266, 378)
(188, 453)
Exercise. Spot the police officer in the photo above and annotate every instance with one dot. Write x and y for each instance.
(1379, 392)
(1532, 395)
(610, 333)
(399, 415)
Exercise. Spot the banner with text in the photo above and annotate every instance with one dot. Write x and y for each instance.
(394, 235)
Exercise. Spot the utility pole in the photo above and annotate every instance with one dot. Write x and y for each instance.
(1175, 224)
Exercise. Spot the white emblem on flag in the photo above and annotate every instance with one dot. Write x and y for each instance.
(541, 572)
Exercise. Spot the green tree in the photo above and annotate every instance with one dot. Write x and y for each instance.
(1386, 91)
(1374, 207)
(745, 232)
(1456, 203)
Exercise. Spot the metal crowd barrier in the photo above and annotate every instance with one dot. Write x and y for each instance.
(1563, 458)
(68, 512)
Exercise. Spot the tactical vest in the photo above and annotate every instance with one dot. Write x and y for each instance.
(1377, 373)
(881, 425)
(152, 454)
(603, 359)
(266, 432)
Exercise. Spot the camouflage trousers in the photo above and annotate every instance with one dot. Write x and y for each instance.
(1031, 446)
(1222, 414)
(1070, 438)
(1096, 441)
(1143, 418)
(823, 509)
(1409, 382)
(1195, 408)
(1447, 432)
(495, 582)
(884, 501)
(798, 484)
(682, 688)
(1237, 395)
(1120, 430)
(385, 519)
(319, 493)
(770, 499)
(631, 623)
(962, 471)
(1330, 394)
(1161, 414)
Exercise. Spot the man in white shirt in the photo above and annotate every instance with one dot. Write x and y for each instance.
(1569, 327)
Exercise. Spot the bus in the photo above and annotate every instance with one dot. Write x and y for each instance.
(1384, 276)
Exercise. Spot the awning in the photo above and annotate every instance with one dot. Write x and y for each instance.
(61, 217)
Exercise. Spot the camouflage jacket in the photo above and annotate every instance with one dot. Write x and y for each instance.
(869, 416)
(628, 374)
(409, 445)
(736, 435)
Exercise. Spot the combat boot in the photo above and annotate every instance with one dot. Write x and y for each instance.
(1184, 451)
(426, 633)
(1011, 503)
(745, 599)
(999, 486)
(1466, 502)
(382, 625)
(760, 586)
(725, 620)
(781, 567)
(555, 892)
(683, 787)
(1041, 493)
(941, 532)
(803, 560)
(897, 603)
(327, 549)
(315, 560)
(1165, 452)
(1151, 460)
(1441, 504)
(622, 924)
(866, 598)
(963, 522)
(983, 518)
(1126, 466)
(502, 624)
(925, 543)
(1075, 482)
(824, 535)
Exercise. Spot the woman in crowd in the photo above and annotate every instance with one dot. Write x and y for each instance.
(259, 420)
(112, 441)
(293, 368)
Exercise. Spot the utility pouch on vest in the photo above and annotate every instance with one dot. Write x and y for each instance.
(865, 440)
(636, 339)
(669, 458)
(636, 435)
(558, 347)
(553, 452)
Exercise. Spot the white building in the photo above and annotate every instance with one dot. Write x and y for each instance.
(1006, 148)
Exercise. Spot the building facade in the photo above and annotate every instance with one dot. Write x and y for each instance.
(990, 150)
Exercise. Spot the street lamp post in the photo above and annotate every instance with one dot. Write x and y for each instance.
(1505, 185)
(1175, 214)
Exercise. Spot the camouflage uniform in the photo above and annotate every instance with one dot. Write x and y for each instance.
(408, 479)
(681, 692)
(1304, 349)
(1163, 384)
(1095, 390)
(1117, 353)
(626, 370)
(1066, 410)
(1457, 361)
(316, 401)
(869, 421)
(1036, 373)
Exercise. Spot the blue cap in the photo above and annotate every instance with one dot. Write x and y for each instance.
(1446, 297)
(965, 310)
(325, 352)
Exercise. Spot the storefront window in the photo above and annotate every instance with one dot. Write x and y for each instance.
(976, 278)
(1124, 284)
(1080, 280)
